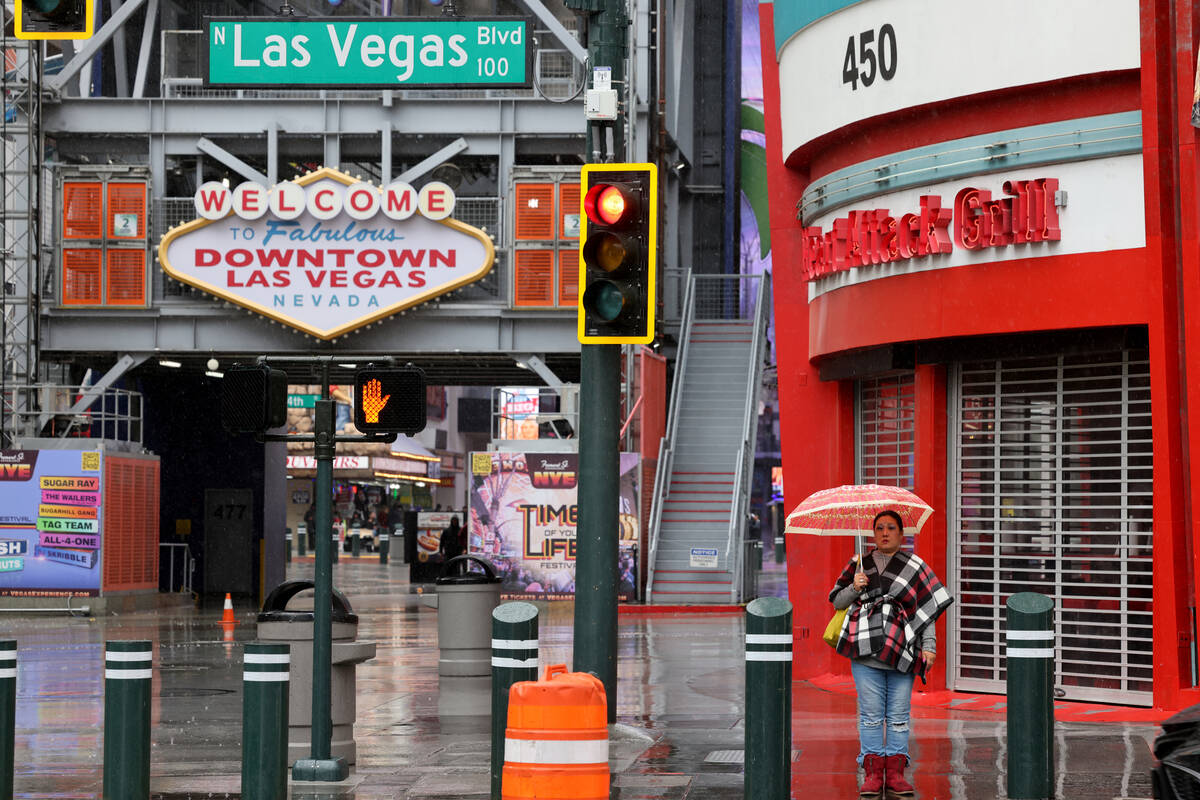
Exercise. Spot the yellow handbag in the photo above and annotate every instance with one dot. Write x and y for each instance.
(833, 631)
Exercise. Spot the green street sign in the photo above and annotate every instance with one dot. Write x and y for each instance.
(303, 400)
(368, 52)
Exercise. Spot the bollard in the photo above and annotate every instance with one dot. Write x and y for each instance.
(768, 699)
(8, 715)
(127, 676)
(355, 544)
(301, 542)
(385, 544)
(1030, 667)
(514, 658)
(287, 536)
(265, 682)
(337, 545)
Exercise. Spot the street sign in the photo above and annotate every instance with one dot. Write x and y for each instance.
(368, 52)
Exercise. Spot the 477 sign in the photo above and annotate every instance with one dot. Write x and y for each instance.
(373, 52)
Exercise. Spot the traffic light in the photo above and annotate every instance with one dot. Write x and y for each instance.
(617, 253)
(54, 19)
(389, 400)
(253, 398)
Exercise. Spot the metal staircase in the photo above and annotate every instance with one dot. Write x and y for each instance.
(702, 488)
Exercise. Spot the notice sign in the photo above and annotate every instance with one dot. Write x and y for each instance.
(703, 557)
(50, 534)
(326, 253)
(368, 52)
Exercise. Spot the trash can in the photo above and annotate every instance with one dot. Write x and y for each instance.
(465, 603)
(278, 624)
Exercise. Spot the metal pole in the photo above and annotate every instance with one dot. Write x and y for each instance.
(1030, 667)
(320, 767)
(8, 715)
(265, 682)
(768, 699)
(128, 670)
(514, 659)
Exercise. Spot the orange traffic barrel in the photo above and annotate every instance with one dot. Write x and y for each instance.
(556, 743)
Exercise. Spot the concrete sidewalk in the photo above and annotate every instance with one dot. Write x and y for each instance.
(679, 705)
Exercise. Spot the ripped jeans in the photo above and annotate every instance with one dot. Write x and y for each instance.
(884, 700)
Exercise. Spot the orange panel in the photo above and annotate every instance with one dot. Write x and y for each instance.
(127, 198)
(126, 284)
(130, 523)
(568, 277)
(533, 213)
(568, 206)
(533, 278)
(82, 213)
(81, 277)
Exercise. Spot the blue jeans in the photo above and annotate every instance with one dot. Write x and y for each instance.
(884, 700)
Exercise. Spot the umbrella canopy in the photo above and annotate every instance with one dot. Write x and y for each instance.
(850, 510)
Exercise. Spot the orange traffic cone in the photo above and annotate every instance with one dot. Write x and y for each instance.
(227, 615)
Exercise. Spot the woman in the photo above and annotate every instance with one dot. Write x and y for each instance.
(893, 598)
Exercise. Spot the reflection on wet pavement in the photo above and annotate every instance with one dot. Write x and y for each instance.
(680, 700)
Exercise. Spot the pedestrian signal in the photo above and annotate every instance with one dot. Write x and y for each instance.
(54, 19)
(253, 398)
(389, 400)
(618, 253)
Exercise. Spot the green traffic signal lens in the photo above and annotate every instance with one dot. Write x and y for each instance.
(605, 300)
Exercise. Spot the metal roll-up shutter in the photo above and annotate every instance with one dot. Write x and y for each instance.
(885, 415)
(1052, 477)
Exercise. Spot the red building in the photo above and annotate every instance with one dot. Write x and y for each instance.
(987, 289)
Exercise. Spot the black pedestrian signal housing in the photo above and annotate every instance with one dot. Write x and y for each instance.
(54, 19)
(618, 253)
(253, 398)
(389, 400)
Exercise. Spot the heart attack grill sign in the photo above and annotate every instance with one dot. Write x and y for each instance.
(325, 253)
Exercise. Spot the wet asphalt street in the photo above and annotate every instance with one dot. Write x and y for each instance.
(680, 707)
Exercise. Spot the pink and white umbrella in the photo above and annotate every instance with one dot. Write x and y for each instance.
(850, 510)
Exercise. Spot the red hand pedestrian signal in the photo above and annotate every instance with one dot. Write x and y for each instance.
(373, 400)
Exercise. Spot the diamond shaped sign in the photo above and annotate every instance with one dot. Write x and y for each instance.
(325, 253)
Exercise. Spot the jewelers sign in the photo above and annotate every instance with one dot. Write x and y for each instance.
(325, 253)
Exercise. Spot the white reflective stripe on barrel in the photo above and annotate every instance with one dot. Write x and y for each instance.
(128, 674)
(117, 655)
(768, 655)
(268, 658)
(8, 672)
(768, 638)
(516, 663)
(8, 655)
(1026, 636)
(1030, 652)
(514, 644)
(556, 751)
(262, 677)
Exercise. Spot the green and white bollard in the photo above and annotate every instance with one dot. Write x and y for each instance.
(1030, 667)
(385, 545)
(768, 699)
(355, 544)
(337, 545)
(287, 536)
(301, 542)
(514, 659)
(128, 671)
(265, 682)
(8, 715)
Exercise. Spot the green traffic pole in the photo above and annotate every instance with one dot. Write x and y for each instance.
(8, 715)
(596, 574)
(768, 699)
(385, 544)
(265, 682)
(128, 670)
(1030, 683)
(320, 766)
(514, 659)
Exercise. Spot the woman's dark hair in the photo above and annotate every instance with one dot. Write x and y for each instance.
(888, 513)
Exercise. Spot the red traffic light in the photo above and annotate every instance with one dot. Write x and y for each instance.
(611, 204)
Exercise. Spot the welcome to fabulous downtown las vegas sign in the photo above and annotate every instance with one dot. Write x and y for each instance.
(326, 253)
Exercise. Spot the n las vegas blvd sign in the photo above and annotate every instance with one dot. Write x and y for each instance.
(326, 253)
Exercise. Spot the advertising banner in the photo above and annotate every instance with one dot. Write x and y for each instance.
(51, 524)
(524, 510)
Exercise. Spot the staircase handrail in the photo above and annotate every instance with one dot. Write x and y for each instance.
(666, 450)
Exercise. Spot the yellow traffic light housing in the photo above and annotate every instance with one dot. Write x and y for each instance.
(618, 253)
(54, 19)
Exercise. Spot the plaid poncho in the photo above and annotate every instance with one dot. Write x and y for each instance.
(887, 619)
